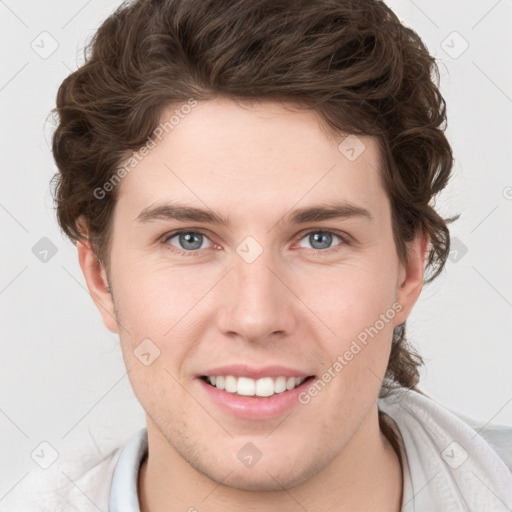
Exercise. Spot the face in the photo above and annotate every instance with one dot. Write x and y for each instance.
(283, 281)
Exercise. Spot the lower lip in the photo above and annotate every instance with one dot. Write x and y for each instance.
(251, 407)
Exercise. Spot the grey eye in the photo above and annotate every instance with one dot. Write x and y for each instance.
(321, 239)
(188, 240)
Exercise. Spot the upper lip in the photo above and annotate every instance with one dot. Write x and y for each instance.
(243, 370)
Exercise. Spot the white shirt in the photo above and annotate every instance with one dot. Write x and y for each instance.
(447, 465)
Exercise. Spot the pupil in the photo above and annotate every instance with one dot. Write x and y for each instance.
(187, 239)
(317, 238)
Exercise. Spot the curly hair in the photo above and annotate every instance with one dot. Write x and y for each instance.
(351, 61)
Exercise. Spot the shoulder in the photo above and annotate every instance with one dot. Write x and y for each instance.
(68, 485)
(94, 484)
(426, 411)
(498, 437)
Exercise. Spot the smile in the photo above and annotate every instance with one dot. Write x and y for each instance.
(245, 386)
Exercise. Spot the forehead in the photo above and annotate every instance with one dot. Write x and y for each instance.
(265, 156)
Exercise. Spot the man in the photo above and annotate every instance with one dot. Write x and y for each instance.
(249, 185)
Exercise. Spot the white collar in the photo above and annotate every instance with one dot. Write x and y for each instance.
(123, 491)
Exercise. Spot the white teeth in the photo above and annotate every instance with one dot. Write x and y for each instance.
(220, 382)
(265, 387)
(244, 386)
(231, 384)
(280, 385)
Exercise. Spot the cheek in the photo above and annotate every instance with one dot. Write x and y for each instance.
(153, 299)
(358, 304)
(350, 297)
(156, 307)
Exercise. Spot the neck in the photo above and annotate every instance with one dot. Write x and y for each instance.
(366, 475)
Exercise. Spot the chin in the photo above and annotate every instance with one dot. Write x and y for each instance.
(263, 480)
(264, 476)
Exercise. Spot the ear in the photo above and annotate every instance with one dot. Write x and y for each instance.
(411, 275)
(97, 283)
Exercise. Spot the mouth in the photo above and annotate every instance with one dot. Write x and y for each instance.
(263, 387)
(254, 393)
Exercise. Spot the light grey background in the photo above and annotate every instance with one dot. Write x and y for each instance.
(62, 375)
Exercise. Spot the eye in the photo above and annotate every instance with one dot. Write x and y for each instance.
(186, 241)
(321, 240)
(189, 242)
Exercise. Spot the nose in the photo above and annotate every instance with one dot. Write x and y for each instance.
(254, 301)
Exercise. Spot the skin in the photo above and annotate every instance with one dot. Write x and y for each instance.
(296, 305)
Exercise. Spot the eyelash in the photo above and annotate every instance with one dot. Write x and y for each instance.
(344, 241)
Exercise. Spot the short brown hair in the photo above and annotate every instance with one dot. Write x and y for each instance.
(350, 61)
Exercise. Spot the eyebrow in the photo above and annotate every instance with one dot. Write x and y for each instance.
(318, 213)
